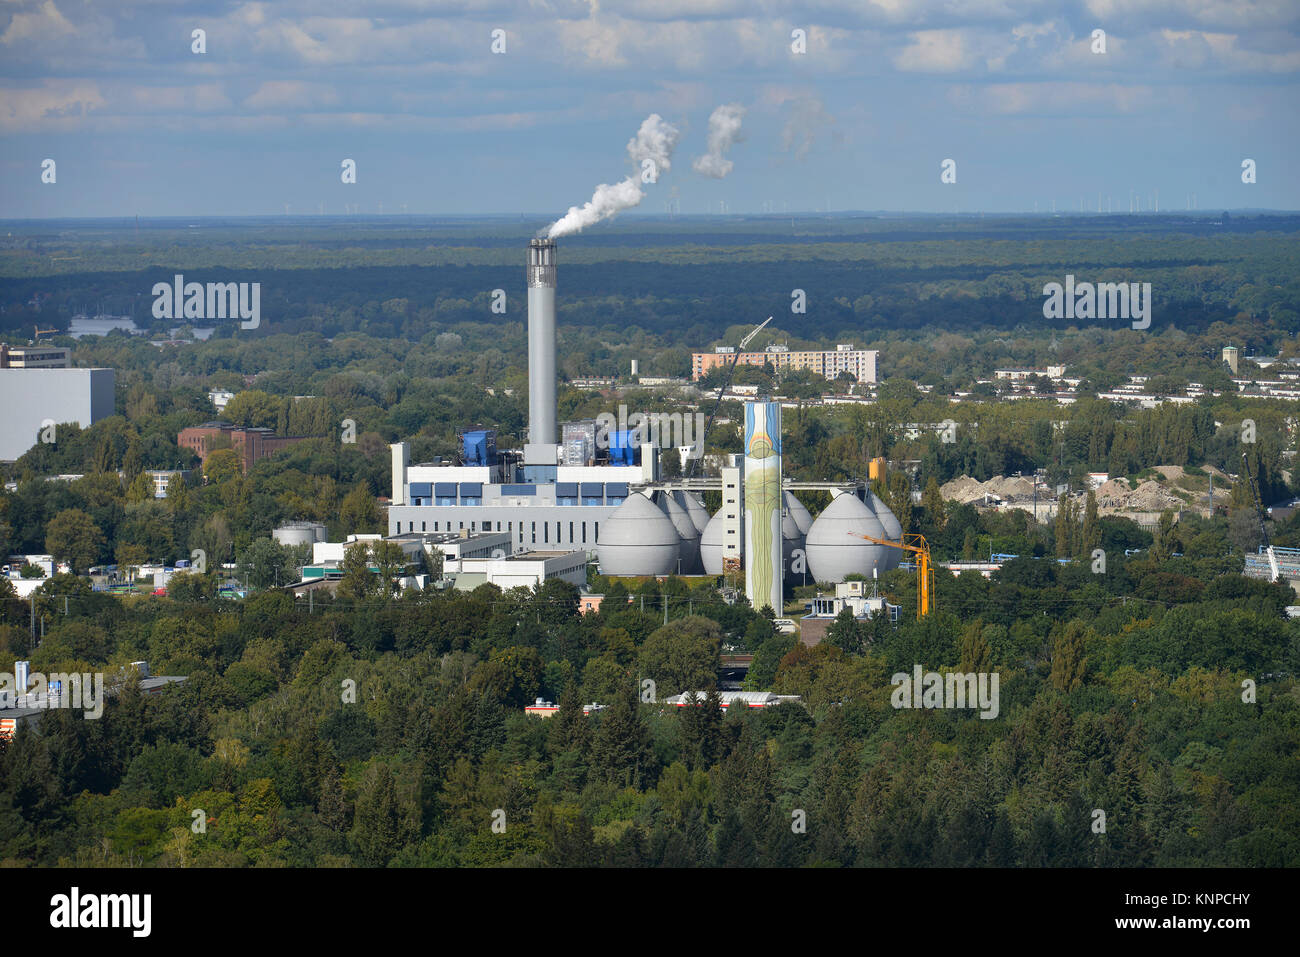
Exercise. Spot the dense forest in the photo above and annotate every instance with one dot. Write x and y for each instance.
(1121, 693)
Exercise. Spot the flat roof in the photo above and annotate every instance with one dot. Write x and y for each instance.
(526, 556)
(442, 538)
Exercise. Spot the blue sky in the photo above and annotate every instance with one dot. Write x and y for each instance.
(887, 90)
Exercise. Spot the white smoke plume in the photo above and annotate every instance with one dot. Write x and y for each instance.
(652, 152)
(654, 141)
(724, 133)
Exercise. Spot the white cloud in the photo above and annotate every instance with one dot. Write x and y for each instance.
(935, 51)
(37, 26)
(56, 105)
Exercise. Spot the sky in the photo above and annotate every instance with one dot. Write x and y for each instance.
(858, 112)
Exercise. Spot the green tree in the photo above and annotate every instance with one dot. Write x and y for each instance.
(1068, 661)
(140, 489)
(73, 537)
(264, 565)
(380, 829)
(682, 655)
(391, 560)
(359, 513)
(221, 466)
(976, 655)
(358, 582)
(932, 502)
(1091, 534)
(670, 462)
(847, 633)
(620, 751)
(254, 408)
(1066, 527)
(191, 587)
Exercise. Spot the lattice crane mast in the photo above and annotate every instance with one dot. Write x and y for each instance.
(916, 544)
(726, 384)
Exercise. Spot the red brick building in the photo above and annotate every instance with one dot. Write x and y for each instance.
(251, 445)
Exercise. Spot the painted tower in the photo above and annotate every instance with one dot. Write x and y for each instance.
(763, 570)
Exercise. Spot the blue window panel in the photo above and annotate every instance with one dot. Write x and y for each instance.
(566, 489)
(521, 489)
(422, 489)
(471, 488)
(444, 489)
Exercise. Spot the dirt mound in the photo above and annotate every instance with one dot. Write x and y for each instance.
(966, 490)
(1152, 497)
(1113, 494)
(963, 489)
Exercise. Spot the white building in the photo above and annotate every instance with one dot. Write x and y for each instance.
(457, 547)
(564, 511)
(34, 357)
(35, 399)
(523, 570)
(322, 552)
(162, 478)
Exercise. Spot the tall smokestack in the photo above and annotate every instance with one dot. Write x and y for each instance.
(541, 342)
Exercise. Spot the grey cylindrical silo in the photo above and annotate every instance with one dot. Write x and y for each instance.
(541, 342)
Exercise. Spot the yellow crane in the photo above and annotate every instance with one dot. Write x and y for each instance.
(40, 332)
(924, 568)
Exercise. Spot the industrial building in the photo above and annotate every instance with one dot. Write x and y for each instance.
(251, 445)
(852, 595)
(34, 357)
(577, 489)
(34, 399)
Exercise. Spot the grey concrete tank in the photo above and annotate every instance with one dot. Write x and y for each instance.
(694, 509)
(711, 546)
(893, 530)
(690, 535)
(792, 537)
(299, 533)
(833, 550)
(638, 538)
(802, 517)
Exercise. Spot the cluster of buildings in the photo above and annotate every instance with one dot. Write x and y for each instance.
(609, 501)
(1025, 383)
